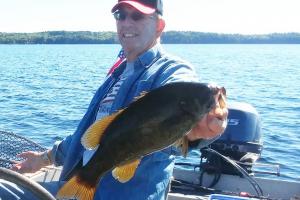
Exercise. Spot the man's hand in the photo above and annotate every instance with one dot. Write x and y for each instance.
(33, 162)
(214, 122)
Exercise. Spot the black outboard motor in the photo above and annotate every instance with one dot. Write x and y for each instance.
(241, 141)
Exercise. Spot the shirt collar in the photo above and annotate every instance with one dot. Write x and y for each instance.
(146, 58)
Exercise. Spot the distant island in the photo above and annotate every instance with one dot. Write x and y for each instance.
(169, 37)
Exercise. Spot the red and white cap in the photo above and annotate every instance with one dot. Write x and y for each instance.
(143, 6)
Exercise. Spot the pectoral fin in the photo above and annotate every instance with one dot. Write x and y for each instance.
(93, 134)
(183, 143)
(125, 172)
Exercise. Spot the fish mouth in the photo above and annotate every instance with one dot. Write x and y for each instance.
(220, 104)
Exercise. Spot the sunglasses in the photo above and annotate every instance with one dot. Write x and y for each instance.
(121, 15)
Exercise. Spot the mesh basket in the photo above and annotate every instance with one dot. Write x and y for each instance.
(12, 144)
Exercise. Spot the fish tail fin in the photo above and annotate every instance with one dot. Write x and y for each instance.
(76, 189)
(183, 143)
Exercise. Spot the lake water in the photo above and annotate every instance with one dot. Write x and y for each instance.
(45, 89)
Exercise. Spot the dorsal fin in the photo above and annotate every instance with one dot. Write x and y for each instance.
(140, 96)
(92, 136)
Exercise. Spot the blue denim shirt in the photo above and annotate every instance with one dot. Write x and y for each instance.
(152, 69)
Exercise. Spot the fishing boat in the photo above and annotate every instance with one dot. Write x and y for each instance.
(227, 168)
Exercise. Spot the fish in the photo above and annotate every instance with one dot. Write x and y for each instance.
(153, 121)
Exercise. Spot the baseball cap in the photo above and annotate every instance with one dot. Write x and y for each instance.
(144, 6)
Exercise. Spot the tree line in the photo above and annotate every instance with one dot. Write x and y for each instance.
(169, 37)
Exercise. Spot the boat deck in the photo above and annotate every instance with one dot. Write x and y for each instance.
(186, 185)
(187, 194)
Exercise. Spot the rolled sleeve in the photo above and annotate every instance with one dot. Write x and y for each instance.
(59, 151)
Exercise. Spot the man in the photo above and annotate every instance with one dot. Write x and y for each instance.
(139, 27)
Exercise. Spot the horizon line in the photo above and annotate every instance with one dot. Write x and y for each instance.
(223, 33)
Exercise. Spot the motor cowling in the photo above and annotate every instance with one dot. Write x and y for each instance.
(241, 141)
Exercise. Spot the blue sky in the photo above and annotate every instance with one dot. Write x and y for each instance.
(221, 16)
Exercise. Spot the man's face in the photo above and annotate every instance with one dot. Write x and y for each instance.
(136, 34)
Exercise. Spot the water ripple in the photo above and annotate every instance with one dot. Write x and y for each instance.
(45, 89)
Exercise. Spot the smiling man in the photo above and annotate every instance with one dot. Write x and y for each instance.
(139, 26)
(146, 67)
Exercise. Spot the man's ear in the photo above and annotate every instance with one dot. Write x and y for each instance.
(160, 26)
